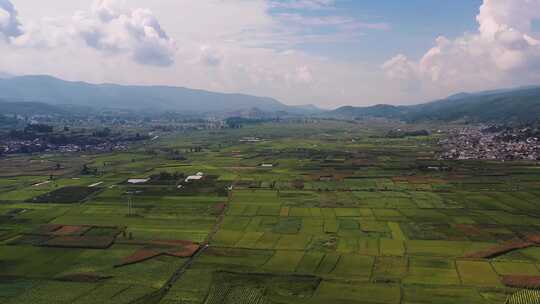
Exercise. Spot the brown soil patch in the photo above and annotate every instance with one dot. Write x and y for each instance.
(139, 256)
(534, 238)
(185, 252)
(219, 208)
(399, 179)
(72, 236)
(499, 250)
(174, 248)
(47, 229)
(472, 231)
(71, 230)
(342, 176)
(520, 281)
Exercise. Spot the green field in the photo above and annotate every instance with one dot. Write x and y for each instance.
(343, 216)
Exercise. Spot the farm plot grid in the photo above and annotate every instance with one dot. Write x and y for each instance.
(326, 219)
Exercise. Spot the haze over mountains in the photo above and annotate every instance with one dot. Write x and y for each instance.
(46, 95)
(53, 91)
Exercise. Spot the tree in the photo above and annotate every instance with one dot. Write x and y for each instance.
(88, 171)
(164, 175)
(298, 184)
(102, 133)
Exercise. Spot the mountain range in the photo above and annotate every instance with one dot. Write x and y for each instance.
(54, 91)
(519, 105)
(47, 95)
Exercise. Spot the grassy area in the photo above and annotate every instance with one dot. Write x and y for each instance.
(342, 216)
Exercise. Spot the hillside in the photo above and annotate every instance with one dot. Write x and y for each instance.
(29, 108)
(45, 95)
(54, 91)
(378, 111)
(516, 105)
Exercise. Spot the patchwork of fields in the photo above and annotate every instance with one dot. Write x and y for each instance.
(308, 213)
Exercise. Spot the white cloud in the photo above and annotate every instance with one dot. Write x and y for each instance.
(10, 26)
(230, 46)
(210, 56)
(136, 32)
(108, 10)
(503, 52)
(304, 74)
(109, 28)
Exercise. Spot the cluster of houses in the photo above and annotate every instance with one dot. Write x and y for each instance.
(39, 145)
(477, 143)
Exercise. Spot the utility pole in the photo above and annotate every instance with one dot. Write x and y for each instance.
(129, 201)
(130, 204)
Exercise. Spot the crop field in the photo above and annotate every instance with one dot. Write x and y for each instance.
(338, 214)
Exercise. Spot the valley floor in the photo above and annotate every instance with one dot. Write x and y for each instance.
(325, 212)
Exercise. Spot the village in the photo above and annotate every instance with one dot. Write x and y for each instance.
(90, 133)
(40, 145)
(490, 143)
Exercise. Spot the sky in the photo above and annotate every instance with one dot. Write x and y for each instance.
(324, 52)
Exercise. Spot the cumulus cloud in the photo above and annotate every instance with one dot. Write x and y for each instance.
(137, 32)
(10, 26)
(503, 52)
(230, 46)
(108, 27)
(107, 10)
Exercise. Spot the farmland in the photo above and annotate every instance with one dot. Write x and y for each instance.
(308, 212)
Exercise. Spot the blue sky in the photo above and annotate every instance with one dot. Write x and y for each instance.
(412, 27)
(324, 52)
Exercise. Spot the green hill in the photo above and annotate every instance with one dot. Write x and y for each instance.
(29, 108)
(511, 106)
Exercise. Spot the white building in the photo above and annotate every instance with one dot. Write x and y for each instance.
(137, 180)
(195, 177)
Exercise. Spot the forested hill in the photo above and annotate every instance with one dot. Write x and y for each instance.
(517, 105)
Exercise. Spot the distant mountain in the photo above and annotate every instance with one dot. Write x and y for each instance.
(309, 109)
(5, 75)
(30, 108)
(46, 95)
(378, 111)
(519, 105)
(55, 91)
(459, 96)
